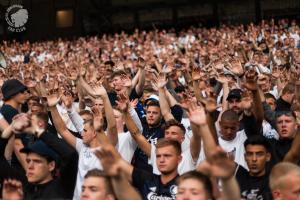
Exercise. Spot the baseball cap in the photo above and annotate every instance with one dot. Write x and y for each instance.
(152, 97)
(12, 87)
(234, 94)
(39, 147)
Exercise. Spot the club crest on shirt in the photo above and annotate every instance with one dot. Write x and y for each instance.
(173, 189)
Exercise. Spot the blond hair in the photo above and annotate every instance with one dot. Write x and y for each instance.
(280, 172)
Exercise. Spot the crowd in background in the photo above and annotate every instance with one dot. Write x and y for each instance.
(204, 113)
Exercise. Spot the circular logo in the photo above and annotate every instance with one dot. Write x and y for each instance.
(16, 16)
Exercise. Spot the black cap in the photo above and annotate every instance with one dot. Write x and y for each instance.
(234, 94)
(39, 147)
(12, 87)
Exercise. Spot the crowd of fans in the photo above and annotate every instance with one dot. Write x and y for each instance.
(159, 115)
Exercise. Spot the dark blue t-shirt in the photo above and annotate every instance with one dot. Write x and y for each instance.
(150, 186)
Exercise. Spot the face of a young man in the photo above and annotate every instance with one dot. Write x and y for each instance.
(174, 133)
(21, 97)
(235, 105)
(153, 115)
(38, 169)
(256, 157)
(167, 159)
(117, 83)
(94, 188)
(191, 189)
(286, 126)
(88, 133)
(290, 189)
(228, 129)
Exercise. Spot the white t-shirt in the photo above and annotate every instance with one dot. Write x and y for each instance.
(236, 147)
(187, 163)
(65, 117)
(188, 134)
(126, 146)
(87, 161)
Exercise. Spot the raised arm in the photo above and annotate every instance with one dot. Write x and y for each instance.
(58, 122)
(123, 106)
(141, 76)
(197, 116)
(163, 103)
(218, 165)
(74, 116)
(109, 114)
(293, 154)
(251, 84)
(195, 143)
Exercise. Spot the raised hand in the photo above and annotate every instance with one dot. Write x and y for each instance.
(141, 63)
(196, 74)
(133, 103)
(127, 82)
(122, 102)
(196, 114)
(210, 103)
(162, 80)
(99, 90)
(53, 98)
(67, 99)
(251, 80)
(218, 165)
(12, 190)
(236, 67)
(98, 118)
(109, 159)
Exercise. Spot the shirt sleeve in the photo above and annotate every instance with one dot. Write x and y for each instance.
(76, 120)
(152, 160)
(79, 145)
(136, 119)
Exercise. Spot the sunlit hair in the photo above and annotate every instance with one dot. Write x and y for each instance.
(200, 177)
(280, 172)
(164, 142)
(101, 174)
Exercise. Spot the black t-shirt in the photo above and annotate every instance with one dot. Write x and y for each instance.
(253, 188)
(140, 159)
(279, 149)
(150, 186)
(8, 113)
